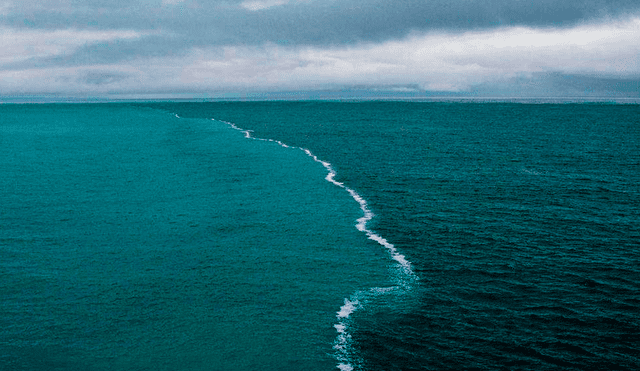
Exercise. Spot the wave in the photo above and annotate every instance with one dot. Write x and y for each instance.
(406, 276)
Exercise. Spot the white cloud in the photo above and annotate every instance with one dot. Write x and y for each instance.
(434, 61)
(4, 8)
(18, 45)
(255, 5)
(449, 62)
(259, 5)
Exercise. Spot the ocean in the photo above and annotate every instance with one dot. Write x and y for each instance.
(319, 235)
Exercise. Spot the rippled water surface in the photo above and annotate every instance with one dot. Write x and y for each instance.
(521, 221)
(170, 236)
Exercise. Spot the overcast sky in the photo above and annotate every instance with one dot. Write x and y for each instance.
(213, 47)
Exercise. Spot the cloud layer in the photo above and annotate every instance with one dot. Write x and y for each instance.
(536, 47)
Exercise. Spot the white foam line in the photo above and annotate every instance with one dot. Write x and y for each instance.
(350, 305)
(367, 213)
(341, 345)
(348, 308)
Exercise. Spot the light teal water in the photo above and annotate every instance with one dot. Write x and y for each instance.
(135, 240)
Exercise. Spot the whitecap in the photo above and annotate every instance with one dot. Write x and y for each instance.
(348, 308)
(341, 343)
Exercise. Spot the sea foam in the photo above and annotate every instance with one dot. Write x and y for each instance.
(341, 344)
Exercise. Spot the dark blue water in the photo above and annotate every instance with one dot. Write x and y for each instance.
(505, 236)
(521, 221)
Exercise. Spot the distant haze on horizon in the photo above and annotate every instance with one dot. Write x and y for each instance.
(209, 48)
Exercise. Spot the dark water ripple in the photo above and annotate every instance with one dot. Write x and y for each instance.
(522, 222)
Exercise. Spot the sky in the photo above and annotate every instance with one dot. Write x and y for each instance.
(213, 48)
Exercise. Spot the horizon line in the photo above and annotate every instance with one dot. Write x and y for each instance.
(303, 96)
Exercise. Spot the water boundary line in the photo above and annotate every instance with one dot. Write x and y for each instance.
(341, 345)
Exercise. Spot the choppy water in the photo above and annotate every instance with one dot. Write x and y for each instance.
(504, 236)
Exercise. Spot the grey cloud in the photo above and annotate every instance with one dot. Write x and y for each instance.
(108, 52)
(589, 84)
(329, 43)
(101, 77)
(561, 84)
(193, 23)
(315, 22)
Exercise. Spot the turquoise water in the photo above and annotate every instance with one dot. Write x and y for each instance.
(135, 240)
(316, 235)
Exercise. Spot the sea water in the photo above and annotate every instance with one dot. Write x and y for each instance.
(132, 239)
(316, 235)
